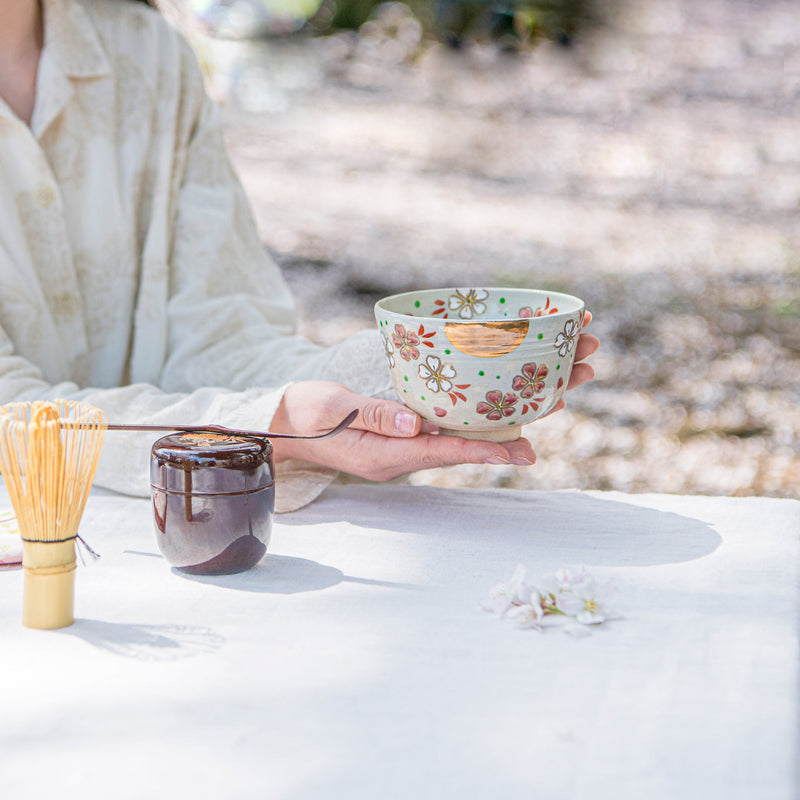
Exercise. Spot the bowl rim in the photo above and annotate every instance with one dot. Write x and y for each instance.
(580, 304)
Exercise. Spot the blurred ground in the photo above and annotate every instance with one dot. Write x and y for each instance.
(653, 169)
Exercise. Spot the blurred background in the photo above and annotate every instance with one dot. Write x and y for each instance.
(642, 155)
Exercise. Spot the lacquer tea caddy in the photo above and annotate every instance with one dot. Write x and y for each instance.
(213, 500)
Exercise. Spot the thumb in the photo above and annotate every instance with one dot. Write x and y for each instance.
(386, 417)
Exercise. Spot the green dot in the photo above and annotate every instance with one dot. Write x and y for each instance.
(558, 366)
(481, 372)
(512, 423)
(466, 423)
(502, 299)
(405, 378)
(497, 377)
(447, 352)
(540, 336)
(405, 391)
(424, 417)
(422, 397)
(417, 304)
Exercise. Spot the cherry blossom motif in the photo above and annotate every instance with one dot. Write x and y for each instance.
(406, 342)
(441, 308)
(531, 381)
(456, 396)
(498, 405)
(388, 348)
(532, 405)
(541, 311)
(545, 310)
(425, 337)
(437, 374)
(469, 303)
(565, 340)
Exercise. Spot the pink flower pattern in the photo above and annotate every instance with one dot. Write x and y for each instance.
(406, 342)
(498, 405)
(531, 381)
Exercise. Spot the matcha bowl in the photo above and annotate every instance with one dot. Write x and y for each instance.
(480, 362)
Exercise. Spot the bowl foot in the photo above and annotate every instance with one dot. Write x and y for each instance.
(509, 434)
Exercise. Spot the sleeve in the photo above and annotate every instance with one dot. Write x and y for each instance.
(125, 461)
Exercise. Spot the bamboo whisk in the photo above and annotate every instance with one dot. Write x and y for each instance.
(48, 459)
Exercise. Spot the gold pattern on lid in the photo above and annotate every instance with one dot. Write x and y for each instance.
(487, 339)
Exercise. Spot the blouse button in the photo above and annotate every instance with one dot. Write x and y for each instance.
(45, 195)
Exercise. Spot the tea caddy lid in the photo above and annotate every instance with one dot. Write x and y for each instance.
(211, 463)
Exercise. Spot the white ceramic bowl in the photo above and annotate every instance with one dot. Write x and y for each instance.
(480, 362)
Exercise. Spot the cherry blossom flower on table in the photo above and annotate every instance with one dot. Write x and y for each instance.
(582, 596)
(563, 598)
(508, 594)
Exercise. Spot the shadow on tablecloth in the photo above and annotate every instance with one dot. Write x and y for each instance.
(578, 527)
(146, 642)
(278, 574)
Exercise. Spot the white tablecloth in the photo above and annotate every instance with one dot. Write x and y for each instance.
(355, 661)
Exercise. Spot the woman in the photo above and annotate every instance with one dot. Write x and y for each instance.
(132, 274)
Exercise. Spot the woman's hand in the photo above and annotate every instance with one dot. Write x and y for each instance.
(387, 439)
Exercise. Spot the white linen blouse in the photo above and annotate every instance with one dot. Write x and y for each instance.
(132, 276)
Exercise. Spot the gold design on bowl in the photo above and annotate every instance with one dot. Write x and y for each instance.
(487, 339)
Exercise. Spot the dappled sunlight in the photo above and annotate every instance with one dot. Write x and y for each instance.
(651, 168)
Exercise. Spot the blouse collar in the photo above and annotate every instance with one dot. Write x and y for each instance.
(72, 50)
(72, 39)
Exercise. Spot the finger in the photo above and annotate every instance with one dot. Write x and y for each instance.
(521, 452)
(331, 403)
(385, 417)
(587, 318)
(581, 373)
(587, 344)
(377, 458)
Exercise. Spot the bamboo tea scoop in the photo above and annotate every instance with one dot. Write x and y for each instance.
(345, 423)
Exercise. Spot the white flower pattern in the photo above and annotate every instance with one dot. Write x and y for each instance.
(565, 340)
(437, 374)
(388, 349)
(468, 302)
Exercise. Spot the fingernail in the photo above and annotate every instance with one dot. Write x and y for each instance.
(496, 460)
(521, 461)
(405, 422)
